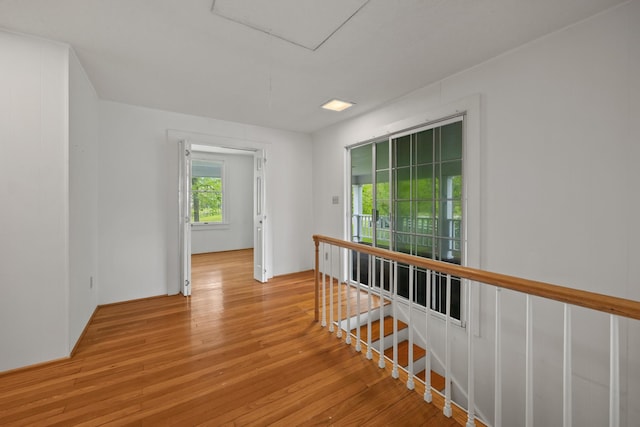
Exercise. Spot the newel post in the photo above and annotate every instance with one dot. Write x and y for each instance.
(317, 283)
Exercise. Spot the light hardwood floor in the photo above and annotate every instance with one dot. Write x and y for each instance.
(237, 352)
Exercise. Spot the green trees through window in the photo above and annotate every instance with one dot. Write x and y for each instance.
(406, 195)
(207, 191)
(206, 197)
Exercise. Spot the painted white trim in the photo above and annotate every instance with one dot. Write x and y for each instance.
(212, 157)
(458, 117)
(467, 109)
(210, 225)
(228, 142)
(184, 217)
(223, 141)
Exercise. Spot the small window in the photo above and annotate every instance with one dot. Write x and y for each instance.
(207, 191)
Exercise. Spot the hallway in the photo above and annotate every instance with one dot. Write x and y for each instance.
(237, 352)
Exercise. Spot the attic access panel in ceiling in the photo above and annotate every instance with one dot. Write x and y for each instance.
(305, 23)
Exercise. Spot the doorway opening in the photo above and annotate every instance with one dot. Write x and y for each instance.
(222, 204)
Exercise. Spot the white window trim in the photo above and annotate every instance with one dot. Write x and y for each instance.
(224, 224)
(470, 106)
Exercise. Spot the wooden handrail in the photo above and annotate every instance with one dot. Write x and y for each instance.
(600, 302)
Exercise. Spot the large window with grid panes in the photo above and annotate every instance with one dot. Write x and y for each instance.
(407, 196)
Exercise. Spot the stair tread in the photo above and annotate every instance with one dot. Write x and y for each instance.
(403, 353)
(375, 328)
(353, 300)
(437, 380)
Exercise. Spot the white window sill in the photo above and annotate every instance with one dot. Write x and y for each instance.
(210, 226)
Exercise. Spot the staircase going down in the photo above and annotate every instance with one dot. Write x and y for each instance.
(359, 323)
(384, 282)
(419, 353)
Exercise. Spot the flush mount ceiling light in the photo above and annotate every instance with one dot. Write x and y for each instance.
(337, 105)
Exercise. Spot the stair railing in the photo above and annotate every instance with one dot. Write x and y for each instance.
(327, 281)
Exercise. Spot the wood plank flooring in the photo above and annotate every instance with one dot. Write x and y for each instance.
(237, 352)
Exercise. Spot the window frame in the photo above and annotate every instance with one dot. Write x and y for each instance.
(209, 157)
(391, 168)
(471, 107)
(437, 163)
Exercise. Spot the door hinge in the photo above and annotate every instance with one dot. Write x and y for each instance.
(186, 282)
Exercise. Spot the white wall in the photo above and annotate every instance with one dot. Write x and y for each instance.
(237, 232)
(83, 199)
(558, 195)
(138, 181)
(34, 193)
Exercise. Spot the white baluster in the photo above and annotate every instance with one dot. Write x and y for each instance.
(528, 410)
(381, 361)
(324, 287)
(567, 392)
(470, 359)
(372, 279)
(614, 372)
(358, 346)
(428, 396)
(330, 288)
(410, 381)
(348, 284)
(339, 284)
(394, 371)
(447, 352)
(498, 364)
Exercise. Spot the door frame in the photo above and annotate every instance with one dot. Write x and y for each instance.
(259, 216)
(184, 215)
(174, 137)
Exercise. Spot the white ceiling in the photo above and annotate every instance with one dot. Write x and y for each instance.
(316, 21)
(191, 57)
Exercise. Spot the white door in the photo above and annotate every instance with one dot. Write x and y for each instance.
(259, 218)
(184, 202)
